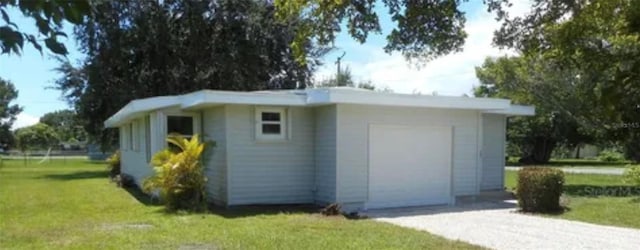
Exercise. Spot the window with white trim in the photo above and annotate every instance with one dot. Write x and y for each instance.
(182, 125)
(271, 123)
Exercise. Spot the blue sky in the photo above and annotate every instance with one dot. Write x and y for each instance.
(453, 74)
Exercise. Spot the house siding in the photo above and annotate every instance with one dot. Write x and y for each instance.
(277, 172)
(352, 151)
(494, 140)
(134, 162)
(215, 157)
(325, 154)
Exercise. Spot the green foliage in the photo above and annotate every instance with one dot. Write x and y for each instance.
(564, 114)
(113, 164)
(599, 40)
(67, 125)
(610, 155)
(179, 174)
(632, 175)
(38, 136)
(175, 47)
(48, 15)
(539, 189)
(425, 29)
(8, 113)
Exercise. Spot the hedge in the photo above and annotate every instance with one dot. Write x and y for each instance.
(539, 189)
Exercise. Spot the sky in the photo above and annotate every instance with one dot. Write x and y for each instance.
(454, 74)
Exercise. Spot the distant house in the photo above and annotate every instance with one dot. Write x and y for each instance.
(360, 148)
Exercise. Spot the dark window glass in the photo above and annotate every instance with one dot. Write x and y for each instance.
(271, 129)
(180, 124)
(271, 116)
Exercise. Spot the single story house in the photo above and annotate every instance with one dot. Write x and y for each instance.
(360, 148)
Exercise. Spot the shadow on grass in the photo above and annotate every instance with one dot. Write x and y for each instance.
(257, 210)
(141, 197)
(78, 175)
(594, 191)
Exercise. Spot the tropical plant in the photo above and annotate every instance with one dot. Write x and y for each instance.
(179, 176)
(113, 164)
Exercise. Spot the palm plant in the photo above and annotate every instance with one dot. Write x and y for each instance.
(179, 176)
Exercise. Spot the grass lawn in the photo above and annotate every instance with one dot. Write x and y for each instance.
(73, 205)
(567, 163)
(599, 199)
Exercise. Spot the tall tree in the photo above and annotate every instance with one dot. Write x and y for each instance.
(562, 109)
(8, 112)
(601, 40)
(36, 137)
(66, 124)
(138, 49)
(48, 15)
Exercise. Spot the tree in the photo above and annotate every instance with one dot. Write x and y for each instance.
(425, 29)
(174, 47)
(344, 78)
(66, 124)
(562, 110)
(600, 40)
(8, 112)
(48, 15)
(36, 137)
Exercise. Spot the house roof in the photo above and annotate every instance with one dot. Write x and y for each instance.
(313, 97)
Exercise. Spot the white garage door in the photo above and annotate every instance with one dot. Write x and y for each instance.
(409, 166)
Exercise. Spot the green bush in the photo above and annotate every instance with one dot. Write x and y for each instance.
(610, 156)
(632, 175)
(113, 164)
(539, 189)
(179, 176)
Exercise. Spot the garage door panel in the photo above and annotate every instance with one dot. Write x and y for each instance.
(409, 165)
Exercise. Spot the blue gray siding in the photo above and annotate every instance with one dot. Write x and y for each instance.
(494, 139)
(325, 154)
(215, 157)
(269, 172)
(134, 162)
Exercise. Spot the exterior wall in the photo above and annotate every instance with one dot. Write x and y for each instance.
(325, 154)
(352, 136)
(276, 172)
(134, 160)
(214, 129)
(493, 150)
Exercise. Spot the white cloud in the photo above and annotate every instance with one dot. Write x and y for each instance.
(24, 120)
(452, 74)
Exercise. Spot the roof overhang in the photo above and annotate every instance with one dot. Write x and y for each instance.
(312, 97)
(514, 110)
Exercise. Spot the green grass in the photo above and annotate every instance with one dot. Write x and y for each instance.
(568, 163)
(73, 205)
(599, 199)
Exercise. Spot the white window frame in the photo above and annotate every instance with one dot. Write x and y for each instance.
(195, 118)
(259, 122)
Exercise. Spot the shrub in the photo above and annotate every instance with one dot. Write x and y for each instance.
(610, 156)
(632, 175)
(178, 177)
(113, 164)
(539, 189)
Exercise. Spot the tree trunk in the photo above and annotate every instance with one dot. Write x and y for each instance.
(578, 152)
(539, 152)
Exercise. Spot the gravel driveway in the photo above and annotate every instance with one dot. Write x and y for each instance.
(498, 226)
